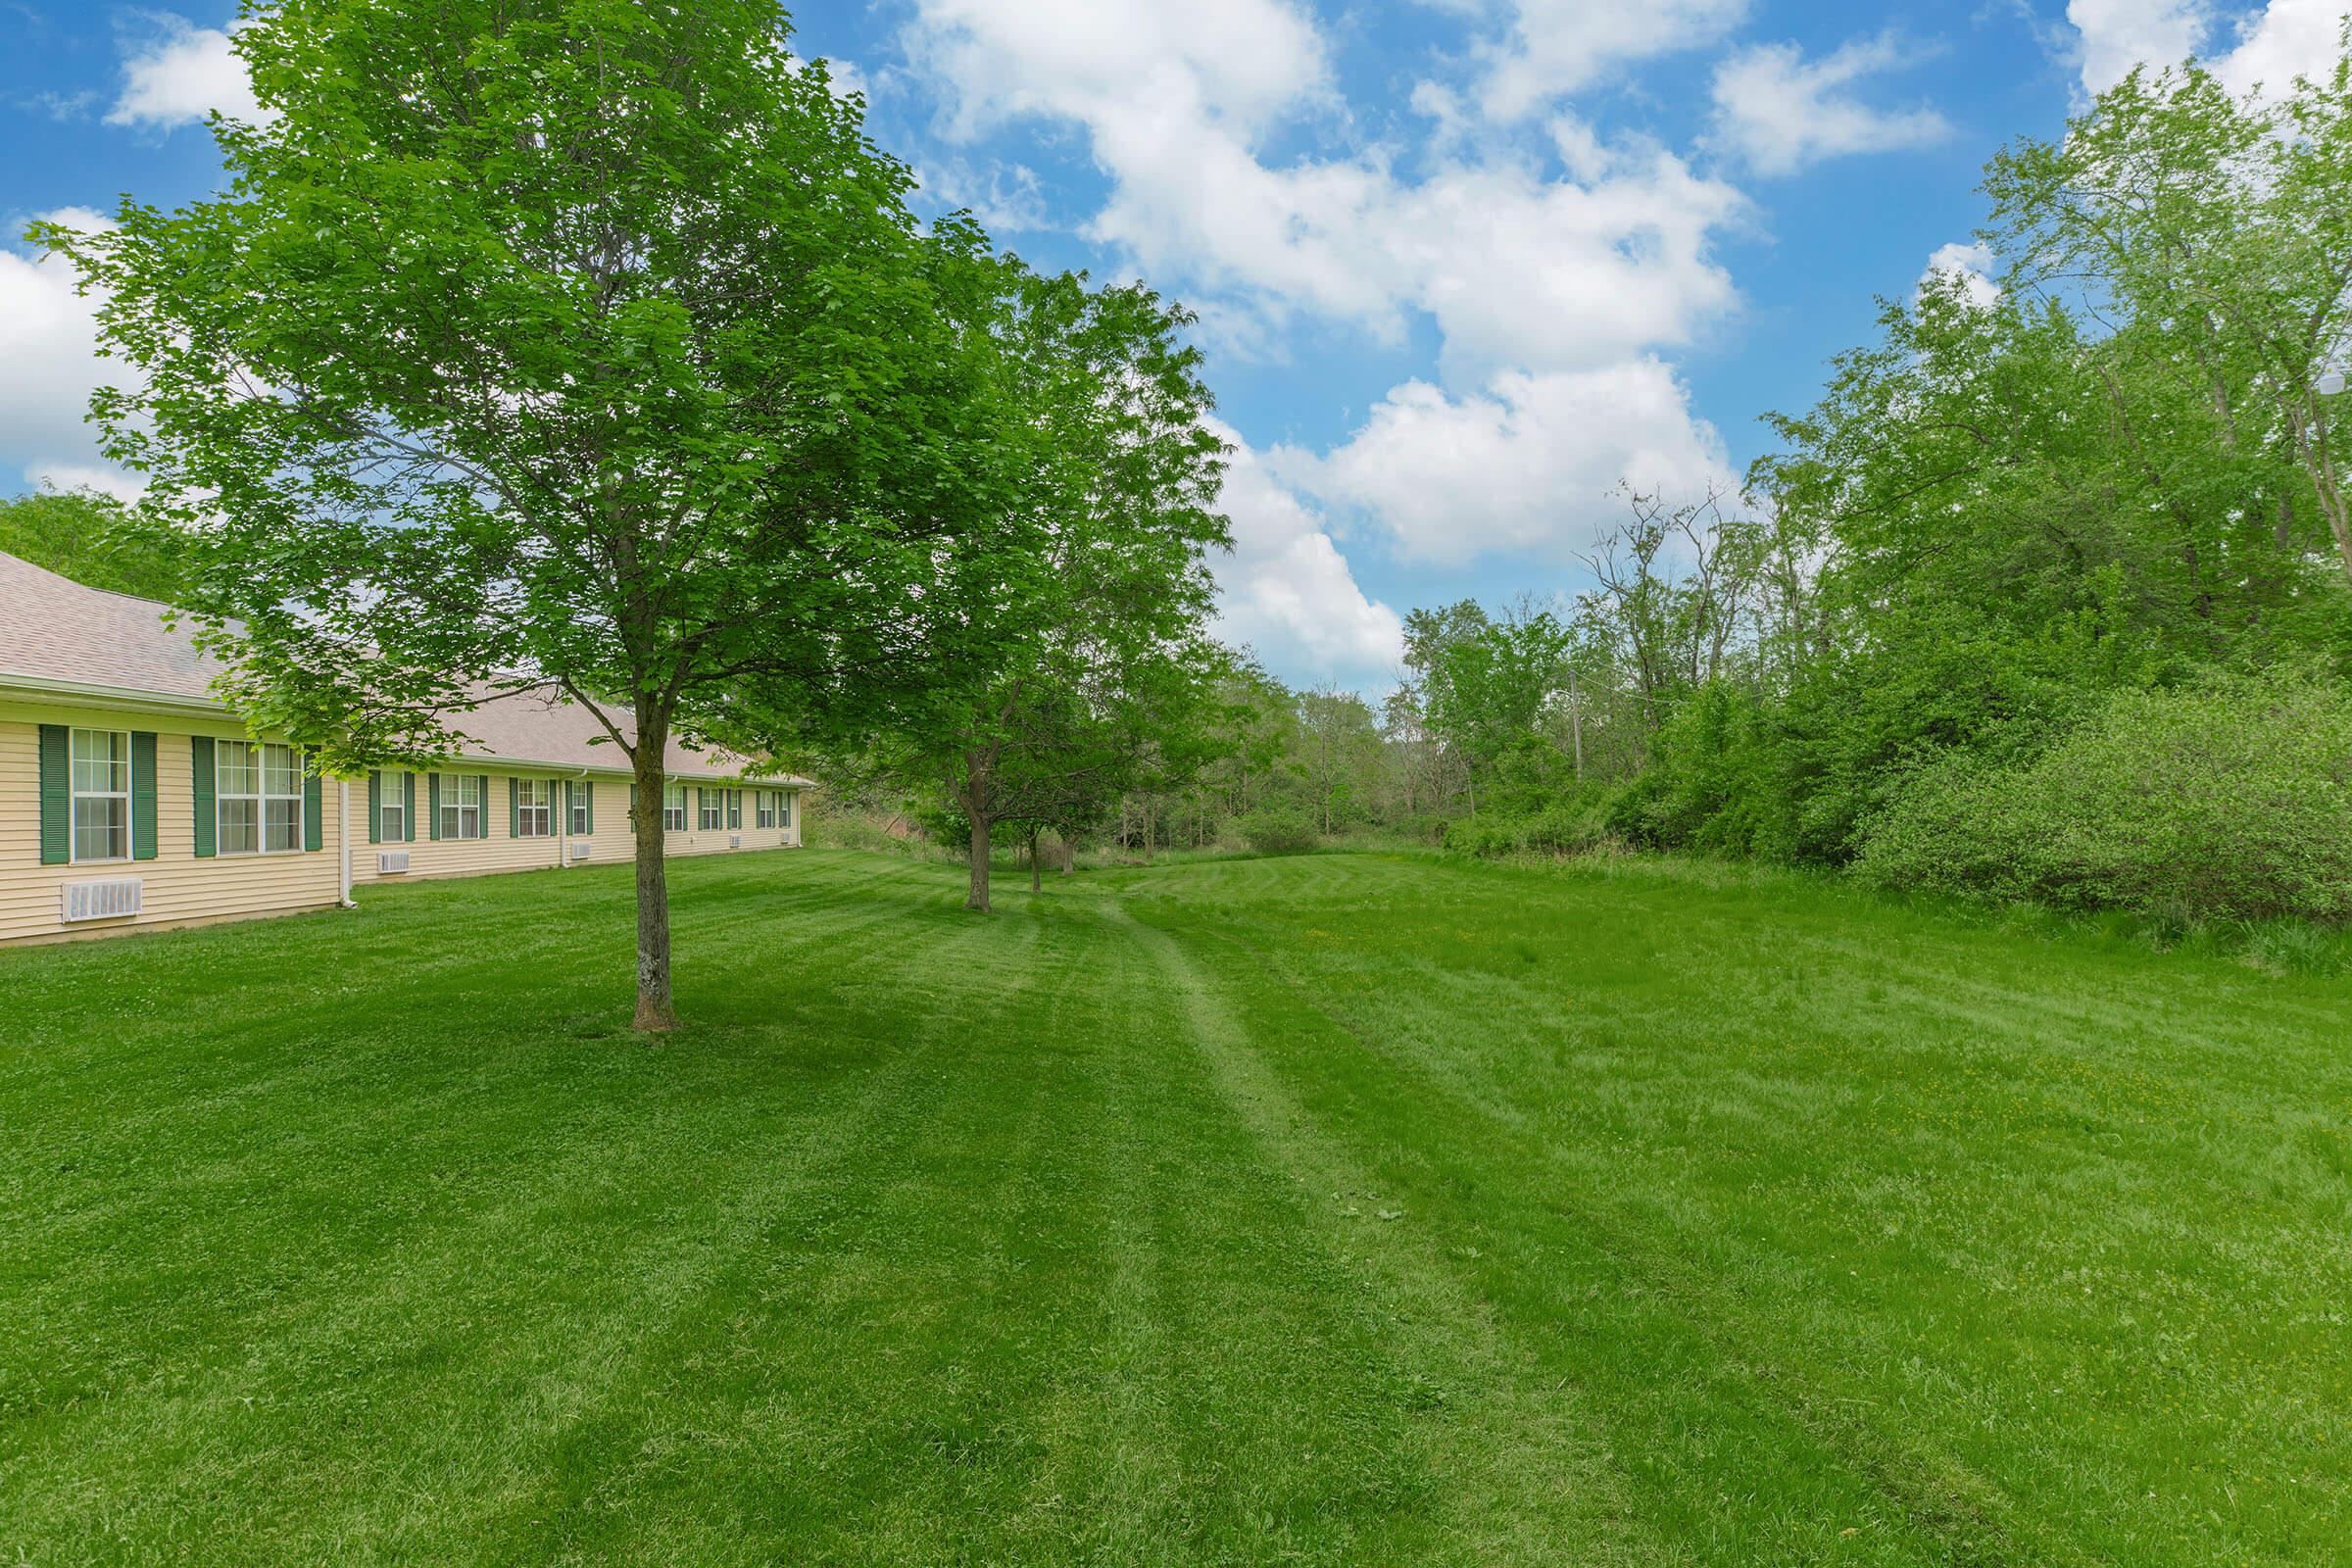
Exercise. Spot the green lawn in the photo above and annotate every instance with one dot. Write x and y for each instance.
(1346, 1209)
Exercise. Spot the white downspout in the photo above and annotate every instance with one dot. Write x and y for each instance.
(344, 813)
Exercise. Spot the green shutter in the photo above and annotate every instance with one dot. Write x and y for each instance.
(588, 801)
(56, 795)
(142, 795)
(433, 793)
(514, 807)
(208, 815)
(483, 825)
(314, 802)
(376, 806)
(408, 807)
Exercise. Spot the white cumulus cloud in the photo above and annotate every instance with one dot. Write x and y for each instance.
(179, 73)
(2269, 46)
(1287, 591)
(1971, 263)
(1780, 113)
(1528, 466)
(1515, 266)
(1553, 48)
(49, 342)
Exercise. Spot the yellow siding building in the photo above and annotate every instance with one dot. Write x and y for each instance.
(130, 798)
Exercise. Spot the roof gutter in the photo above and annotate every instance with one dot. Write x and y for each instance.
(97, 696)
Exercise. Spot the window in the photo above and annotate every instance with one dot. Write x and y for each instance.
(534, 808)
(784, 798)
(392, 807)
(673, 808)
(577, 794)
(763, 803)
(257, 793)
(101, 795)
(734, 808)
(460, 805)
(715, 808)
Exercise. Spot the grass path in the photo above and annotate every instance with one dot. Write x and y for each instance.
(1348, 1209)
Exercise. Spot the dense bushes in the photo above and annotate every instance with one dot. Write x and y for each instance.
(1279, 830)
(2232, 800)
(1571, 826)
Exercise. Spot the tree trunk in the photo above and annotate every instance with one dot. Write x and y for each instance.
(1037, 873)
(656, 1013)
(1066, 854)
(977, 899)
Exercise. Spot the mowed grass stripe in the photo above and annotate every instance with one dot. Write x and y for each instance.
(1515, 1468)
(1991, 1281)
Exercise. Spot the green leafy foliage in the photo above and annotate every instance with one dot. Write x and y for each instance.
(2231, 800)
(94, 540)
(1279, 830)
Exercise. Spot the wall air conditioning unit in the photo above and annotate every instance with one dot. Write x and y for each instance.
(392, 862)
(579, 852)
(113, 899)
(735, 841)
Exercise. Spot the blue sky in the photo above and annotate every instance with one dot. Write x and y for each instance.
(1461, 264)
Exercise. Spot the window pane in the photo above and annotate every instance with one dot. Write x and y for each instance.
(281, 772)
(102, 829)
(240, 826)
(236, 769)
(283, 822)
(101, 762)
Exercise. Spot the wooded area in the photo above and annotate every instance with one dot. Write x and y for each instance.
(2048, 597)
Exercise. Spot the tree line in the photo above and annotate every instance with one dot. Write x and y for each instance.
(2048, 596)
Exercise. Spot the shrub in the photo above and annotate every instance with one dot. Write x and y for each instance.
(1275, 830)
(2231, 800)
(1571, 826)
(1488, 835)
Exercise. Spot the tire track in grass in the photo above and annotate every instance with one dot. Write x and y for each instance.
(1745, 1410)
(1523, 1476)
(2080, 1149)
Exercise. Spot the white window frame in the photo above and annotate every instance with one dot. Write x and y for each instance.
(542, 809)
(261, 796)
(673, 808)
(709, 818)
(784, 802)
(763, 808)
(575, 800)
(391, 800)
(75, 794)
(453, 801)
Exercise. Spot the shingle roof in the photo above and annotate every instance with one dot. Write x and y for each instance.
(55, 629)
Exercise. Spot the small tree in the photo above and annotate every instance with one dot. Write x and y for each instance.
(1068, 683)
(574, 340)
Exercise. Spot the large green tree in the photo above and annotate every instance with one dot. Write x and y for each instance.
(2218, 232)
(584, 342)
